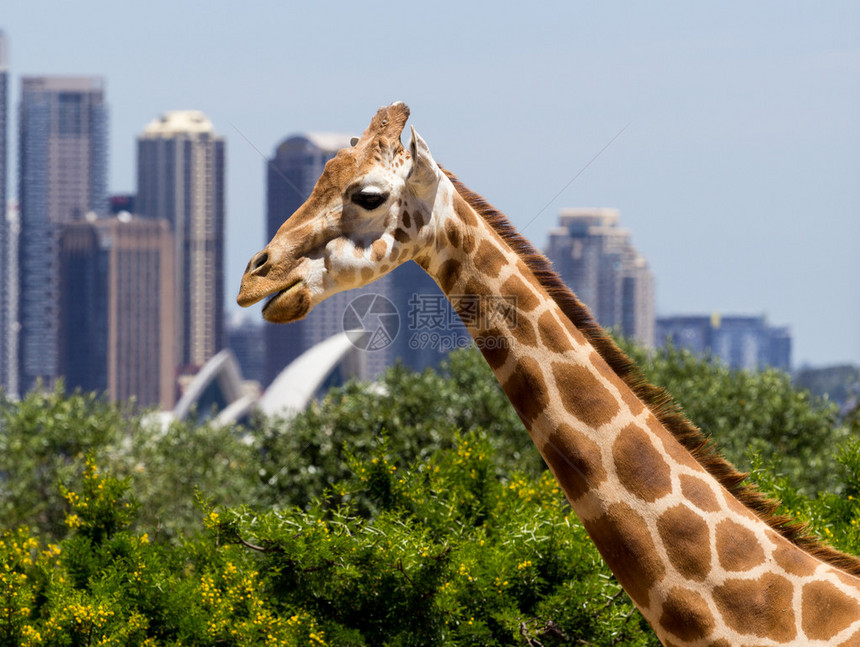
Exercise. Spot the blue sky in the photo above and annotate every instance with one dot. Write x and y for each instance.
(738, 173)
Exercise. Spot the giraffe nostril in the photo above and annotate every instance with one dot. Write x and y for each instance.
(258, 261)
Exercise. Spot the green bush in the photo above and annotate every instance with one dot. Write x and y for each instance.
(415, 512)
(450, 555)
(45, 437)
(418, 412)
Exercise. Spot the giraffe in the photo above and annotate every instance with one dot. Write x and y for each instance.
(701, 554)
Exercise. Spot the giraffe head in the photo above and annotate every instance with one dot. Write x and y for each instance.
(369, 212)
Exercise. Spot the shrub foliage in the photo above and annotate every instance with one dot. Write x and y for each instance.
(414, 512)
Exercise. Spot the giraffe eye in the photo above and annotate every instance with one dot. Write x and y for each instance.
(369, 198)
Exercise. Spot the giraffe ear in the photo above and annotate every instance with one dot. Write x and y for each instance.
(423, 175)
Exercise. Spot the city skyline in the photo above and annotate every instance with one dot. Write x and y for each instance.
(741, 133)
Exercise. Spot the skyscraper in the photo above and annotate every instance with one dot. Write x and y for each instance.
(7, 318)
(117, 287)
(62, 176)
(596, 259)
(180, 178)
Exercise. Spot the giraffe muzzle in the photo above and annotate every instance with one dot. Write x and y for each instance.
(289, 304)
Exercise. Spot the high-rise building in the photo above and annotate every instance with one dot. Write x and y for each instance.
(117, 287)
(741, 342)
(180, 178)
(597, 260)
(8, 368)
(12, 285)
(62, 176)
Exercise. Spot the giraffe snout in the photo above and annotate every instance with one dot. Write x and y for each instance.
(258, 265)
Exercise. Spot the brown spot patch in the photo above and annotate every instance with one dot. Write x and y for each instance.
(366, 274)
(687, 542)
(583, 395)
(826, 610)
(527, 390)
(494, 345)
(738, 547)
(633, 403)
(699, 493)
(453, 233)
(378, 250)
(489, 259)
(474, 287)
(449, 272)
(686, 615)
(575, 460)
(407, 220)
(722, 642)
(853, 641)
(526, 299)
(761, 608)
(347, 276)
(401, 235)
(466, 213)
(468, 242)
(623, 540)
(418, 217)
(552, 334)
(524, 332)
(641, 469)
(793, 560)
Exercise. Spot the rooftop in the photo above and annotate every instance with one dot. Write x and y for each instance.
(329, 142)
(176, 122)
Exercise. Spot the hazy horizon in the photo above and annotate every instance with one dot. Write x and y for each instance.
(737, 171)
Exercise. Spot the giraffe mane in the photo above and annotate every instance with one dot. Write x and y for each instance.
(657, 399)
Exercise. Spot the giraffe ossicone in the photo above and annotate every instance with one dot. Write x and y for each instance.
(699, 552)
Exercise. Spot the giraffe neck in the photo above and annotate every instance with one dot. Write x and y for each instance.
(699, 564)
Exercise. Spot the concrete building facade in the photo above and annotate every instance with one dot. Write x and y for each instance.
(118, 319)
(740, 342)
(8, 318)
(180, 179)
(62, 177)
(596, 259)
